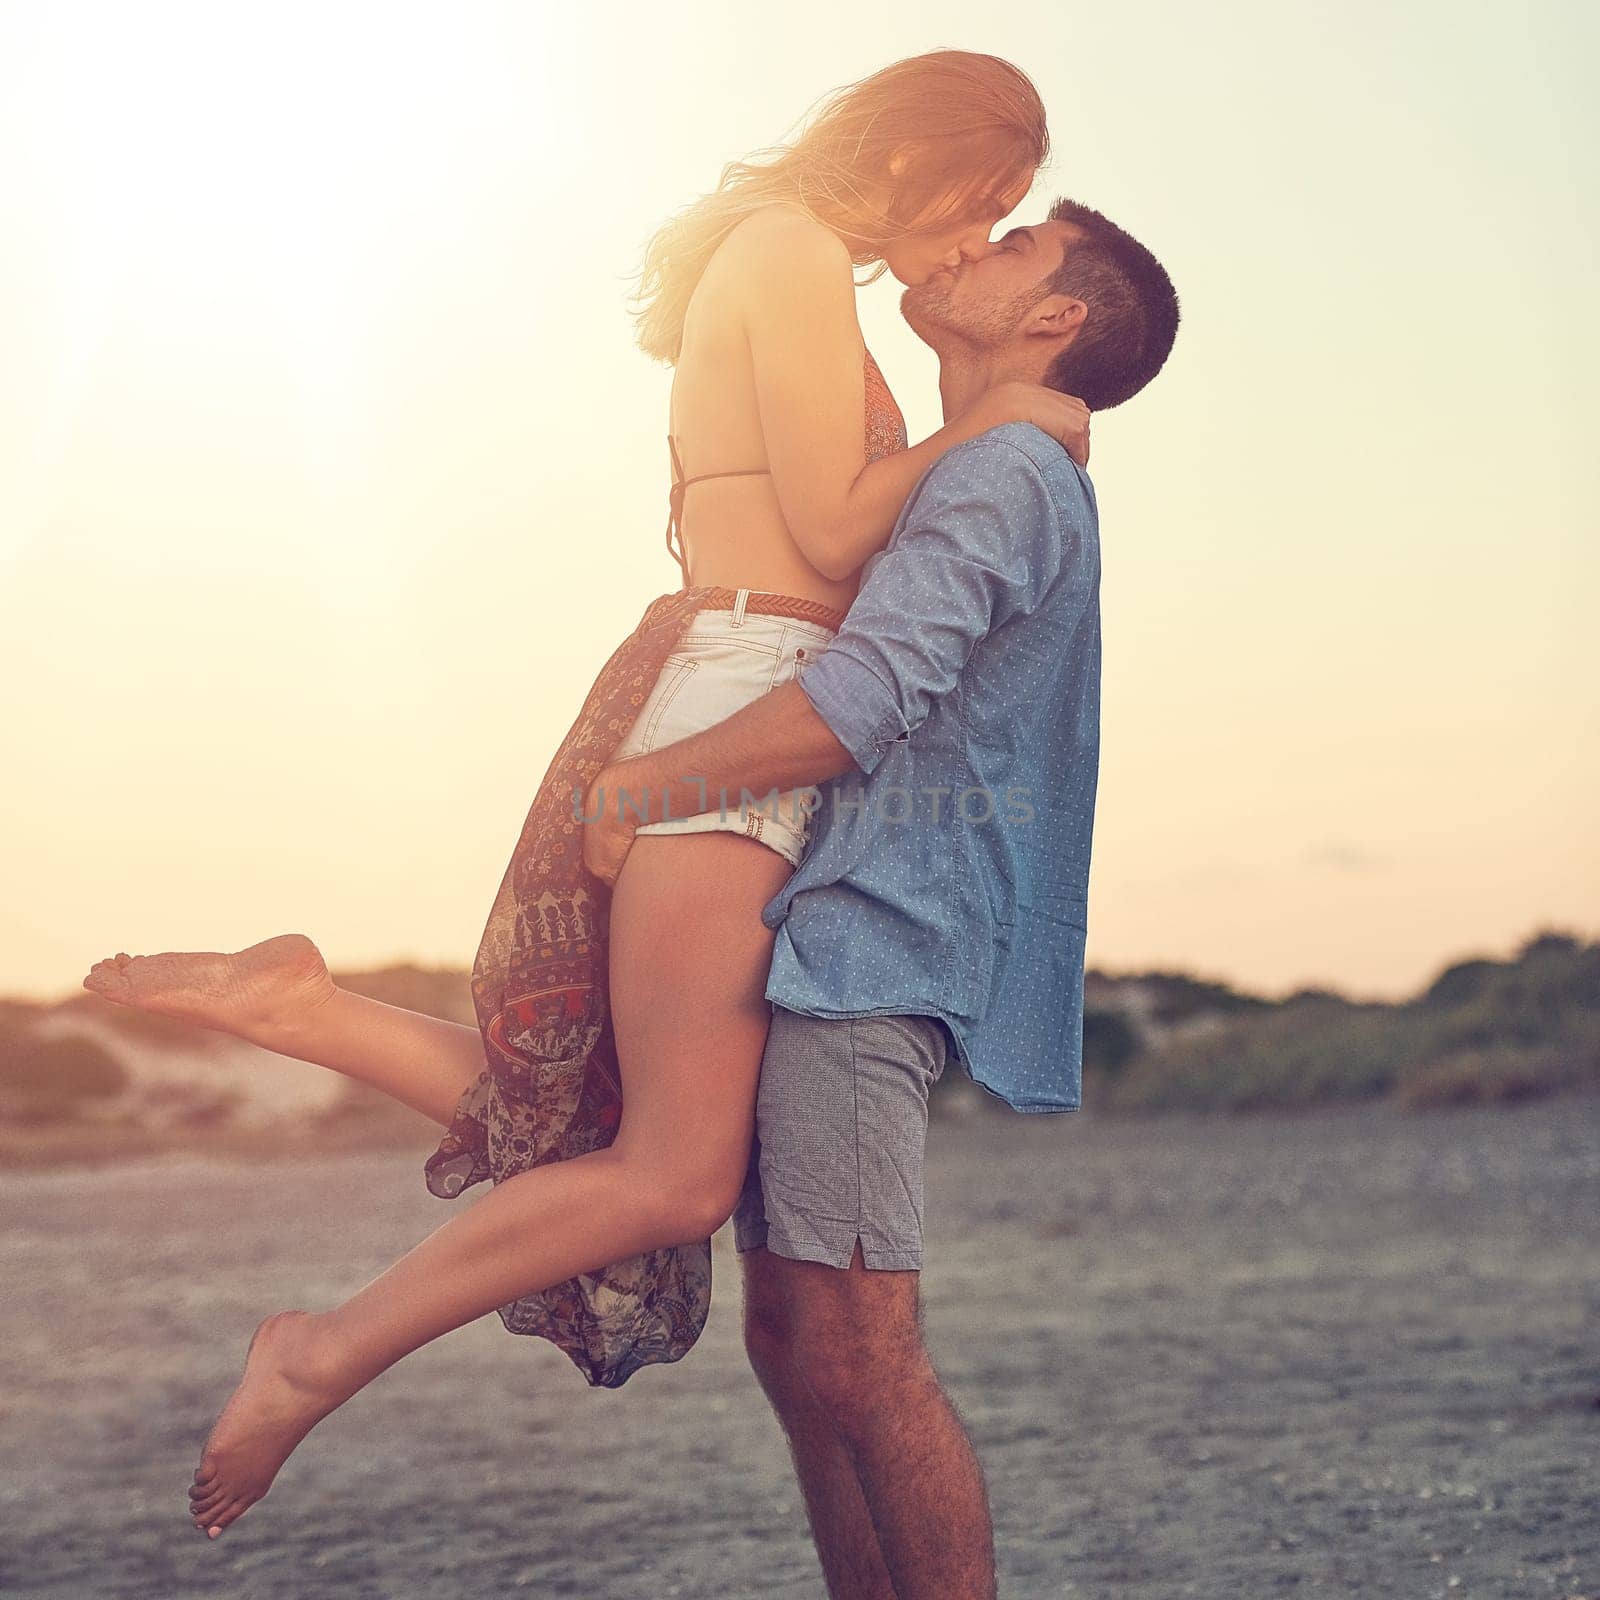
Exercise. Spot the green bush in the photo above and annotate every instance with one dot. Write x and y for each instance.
(45, 1080)
(1570, 1058)
(1110, 1041)
(1482, 1031)
(1314, 1047)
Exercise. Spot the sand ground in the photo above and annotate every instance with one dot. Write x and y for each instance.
(1336, 1352)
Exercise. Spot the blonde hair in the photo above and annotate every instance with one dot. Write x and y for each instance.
(967, 126)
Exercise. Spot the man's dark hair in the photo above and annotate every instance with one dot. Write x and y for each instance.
(1133, 311)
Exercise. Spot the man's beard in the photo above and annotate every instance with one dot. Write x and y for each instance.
(929, 313)
(942, 321)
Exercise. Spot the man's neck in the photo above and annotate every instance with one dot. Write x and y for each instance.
(966, 371)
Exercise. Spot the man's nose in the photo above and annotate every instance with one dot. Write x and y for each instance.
(975, 248)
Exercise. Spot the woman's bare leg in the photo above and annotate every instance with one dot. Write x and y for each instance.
(689, 963)
(278, 994)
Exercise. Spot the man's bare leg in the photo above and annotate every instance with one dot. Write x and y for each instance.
(841, 1525)
(278, 994)
(855, 1338)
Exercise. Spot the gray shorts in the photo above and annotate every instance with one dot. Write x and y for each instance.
(841, 1126)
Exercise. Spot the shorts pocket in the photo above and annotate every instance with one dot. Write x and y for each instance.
(923, 1041)
(676, 671)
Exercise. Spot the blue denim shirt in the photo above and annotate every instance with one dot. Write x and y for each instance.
(949, 875)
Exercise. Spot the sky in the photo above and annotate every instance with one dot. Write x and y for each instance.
(330, 473)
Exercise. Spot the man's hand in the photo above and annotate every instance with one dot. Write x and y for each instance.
(776, 742)
(608, 839)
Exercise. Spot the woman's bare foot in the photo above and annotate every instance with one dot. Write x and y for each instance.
(285, 1392)
(250, 993)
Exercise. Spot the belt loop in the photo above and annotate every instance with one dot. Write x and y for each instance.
(739, 602)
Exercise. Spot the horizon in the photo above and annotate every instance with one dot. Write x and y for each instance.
(1092, 970)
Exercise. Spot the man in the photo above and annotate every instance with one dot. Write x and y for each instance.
(942, 904)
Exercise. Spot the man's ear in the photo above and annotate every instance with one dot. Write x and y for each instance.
(1055, 317)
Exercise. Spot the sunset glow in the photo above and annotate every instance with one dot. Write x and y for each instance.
(329, 473)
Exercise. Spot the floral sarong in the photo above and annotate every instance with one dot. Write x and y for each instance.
(551, 1088)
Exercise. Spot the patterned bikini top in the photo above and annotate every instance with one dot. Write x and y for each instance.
(885, 434)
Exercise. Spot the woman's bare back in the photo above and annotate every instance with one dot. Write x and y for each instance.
(733, 528)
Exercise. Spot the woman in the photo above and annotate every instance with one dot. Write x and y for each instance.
(797, 464)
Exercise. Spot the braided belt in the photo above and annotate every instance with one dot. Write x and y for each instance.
(776, 605)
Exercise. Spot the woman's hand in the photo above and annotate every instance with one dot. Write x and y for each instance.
(1063, 416)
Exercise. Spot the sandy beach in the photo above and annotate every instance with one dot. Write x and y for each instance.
(1345, 1351)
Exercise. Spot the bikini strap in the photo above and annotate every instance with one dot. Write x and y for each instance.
(675, 502)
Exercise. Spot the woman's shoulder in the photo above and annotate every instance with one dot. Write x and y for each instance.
(781, 237)
(773, 260)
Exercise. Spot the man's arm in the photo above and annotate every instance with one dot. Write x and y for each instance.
(980, 545)
(776, 742)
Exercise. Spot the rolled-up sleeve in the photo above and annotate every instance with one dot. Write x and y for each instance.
(978, 543)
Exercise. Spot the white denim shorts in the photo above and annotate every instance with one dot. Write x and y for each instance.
(724, 660)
